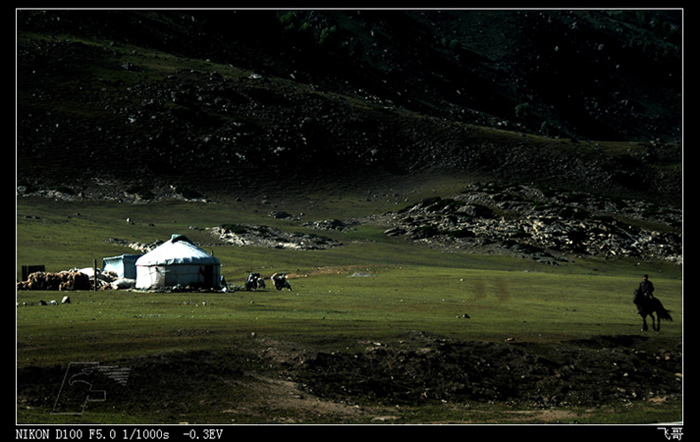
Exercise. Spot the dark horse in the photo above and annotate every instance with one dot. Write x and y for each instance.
(647, 305)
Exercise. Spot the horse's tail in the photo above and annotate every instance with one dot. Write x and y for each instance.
(662, 312)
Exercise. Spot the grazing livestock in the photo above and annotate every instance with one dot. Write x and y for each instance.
(280, 280)
(255, 281)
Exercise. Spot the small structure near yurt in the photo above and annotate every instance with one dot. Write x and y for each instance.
(124, 266)
(177, 262)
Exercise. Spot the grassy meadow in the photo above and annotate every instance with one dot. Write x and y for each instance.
(372, 289)
(539, 307)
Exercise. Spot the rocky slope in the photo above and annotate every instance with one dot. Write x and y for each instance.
(542, 224)
(141, 105)
(139, 101)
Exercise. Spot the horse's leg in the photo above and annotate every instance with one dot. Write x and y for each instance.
(645, 327)
(658, 322)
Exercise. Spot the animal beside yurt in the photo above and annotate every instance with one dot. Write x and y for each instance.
(177, 262)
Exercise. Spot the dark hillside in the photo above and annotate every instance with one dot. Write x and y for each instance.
(148, 97)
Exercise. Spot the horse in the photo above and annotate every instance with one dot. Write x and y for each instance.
(647, 306)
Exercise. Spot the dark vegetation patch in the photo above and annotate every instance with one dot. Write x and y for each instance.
(589, 373)
(418, 370)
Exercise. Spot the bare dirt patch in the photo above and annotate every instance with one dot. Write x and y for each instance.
(284, 382)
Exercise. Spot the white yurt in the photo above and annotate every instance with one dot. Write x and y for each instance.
(177, 262)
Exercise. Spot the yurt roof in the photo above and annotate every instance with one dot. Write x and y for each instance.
(177, 250)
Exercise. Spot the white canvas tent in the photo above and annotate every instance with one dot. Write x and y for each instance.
(177, 261)
(123, 265)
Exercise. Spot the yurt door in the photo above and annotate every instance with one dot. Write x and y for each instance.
(209, 276)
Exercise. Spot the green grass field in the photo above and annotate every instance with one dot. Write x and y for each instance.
(501, 305)
(405, 288)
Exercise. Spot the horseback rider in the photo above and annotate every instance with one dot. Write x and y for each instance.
(646, 287)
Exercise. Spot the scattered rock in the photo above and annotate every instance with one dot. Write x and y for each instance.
(545, 225)
(138, 246)
(329, 224)
(264, 236)
(282, 215)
